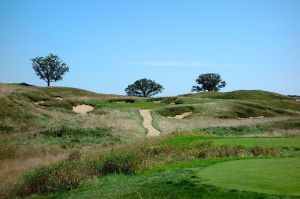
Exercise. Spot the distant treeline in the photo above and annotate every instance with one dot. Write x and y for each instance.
(295, 96)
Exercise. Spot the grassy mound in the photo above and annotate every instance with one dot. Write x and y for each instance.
(82, 136)
(132, 160)
(225, 109)
(173, 111)
(271, 176)
(242, 95)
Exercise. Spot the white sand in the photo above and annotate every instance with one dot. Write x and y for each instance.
(181, 116)
(147, 123)
(83, 109)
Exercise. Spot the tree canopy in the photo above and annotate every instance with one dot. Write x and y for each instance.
(144, 88)
(49, 68)
(209, 82)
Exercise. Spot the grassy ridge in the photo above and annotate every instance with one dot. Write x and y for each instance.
(172, 175)
(37, 119)
(136, 159)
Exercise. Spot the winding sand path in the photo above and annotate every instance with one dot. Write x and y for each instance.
(147, 123)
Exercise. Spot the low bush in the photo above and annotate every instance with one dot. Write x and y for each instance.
(179, 101)
(58, 177)
(173, 111)
(68, 174)
(239, 130)
(71, 136)
(168, 100)
(75, 155)
(265, 151)
(5, 128)
(125, 100)
(154, 99)
(124, 162)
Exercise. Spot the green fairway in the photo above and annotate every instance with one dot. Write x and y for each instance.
(271, 176)
(241, 141)
(139, 103)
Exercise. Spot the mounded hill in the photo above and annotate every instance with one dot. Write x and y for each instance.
(241, 95)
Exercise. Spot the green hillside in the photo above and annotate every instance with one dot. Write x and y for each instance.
(49, 151)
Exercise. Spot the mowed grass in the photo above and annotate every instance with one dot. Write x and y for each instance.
(176, 181)
(282, 142)
(270, 176)
(138, 103)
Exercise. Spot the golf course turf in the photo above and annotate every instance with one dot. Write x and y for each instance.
(270, 176)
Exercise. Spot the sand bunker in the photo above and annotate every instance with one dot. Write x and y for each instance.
(181, 116)
(147, 123)
(59, 98)
(39, 103)
(259, 117)
(83, 109)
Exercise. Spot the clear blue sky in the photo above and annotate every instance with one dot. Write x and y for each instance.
(253, 44)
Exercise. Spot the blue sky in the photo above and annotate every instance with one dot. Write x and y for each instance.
(108, 44)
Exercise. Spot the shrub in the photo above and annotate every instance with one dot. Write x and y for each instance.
(239, 130)
(81, 135)
(265, 151)
(173, 111)
(179, 101)
(125, 100)
(124, 162)
(214, 151)
(168, 100)
(58, 177)
(75, 155)
(154, 99)
(5, 128)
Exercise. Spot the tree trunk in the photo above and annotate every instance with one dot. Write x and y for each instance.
(48, 83)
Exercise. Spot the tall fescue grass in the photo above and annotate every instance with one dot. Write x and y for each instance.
(69, 173)
(173, 111)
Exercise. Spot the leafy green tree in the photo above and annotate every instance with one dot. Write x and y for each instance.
(49, 68)
(209, 82)
(144, 88)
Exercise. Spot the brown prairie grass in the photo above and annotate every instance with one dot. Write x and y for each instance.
(24, 159)
(169, 125)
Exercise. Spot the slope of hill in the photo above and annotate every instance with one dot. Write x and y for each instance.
(38, 127)
(242, 95)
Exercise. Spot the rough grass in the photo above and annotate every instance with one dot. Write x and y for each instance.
(242, 95)
(176, 110)
(8, 151)
(5, 128)
(256, 129)
(132, 160)
(80, 136)
(179, 180)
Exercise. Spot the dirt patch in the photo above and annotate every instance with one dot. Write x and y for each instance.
(181, 116)
(83, 109)
(259, 117)
(39, 103)
(147, 123)
(59, 98)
